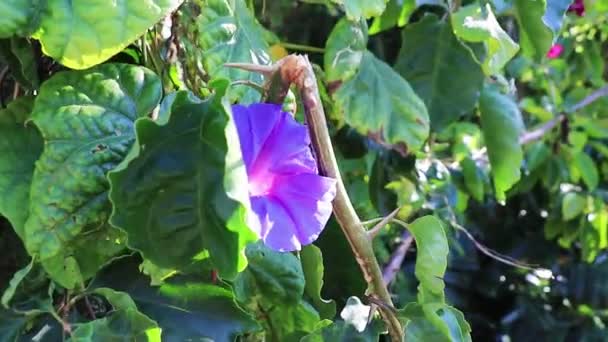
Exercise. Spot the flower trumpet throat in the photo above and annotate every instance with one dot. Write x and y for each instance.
(290, 201)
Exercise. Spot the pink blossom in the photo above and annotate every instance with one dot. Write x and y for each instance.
(555, 51)
(291, 202)
(578, 7)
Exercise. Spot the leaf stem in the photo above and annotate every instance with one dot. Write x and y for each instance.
(300, 47)
(298, 70)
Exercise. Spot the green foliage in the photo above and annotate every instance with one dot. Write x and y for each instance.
(124, 201)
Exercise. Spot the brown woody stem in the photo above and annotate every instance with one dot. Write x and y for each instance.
(299, 71)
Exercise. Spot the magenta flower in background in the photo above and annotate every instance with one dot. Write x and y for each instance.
(578, 7)
(291, 202)
(555, 51)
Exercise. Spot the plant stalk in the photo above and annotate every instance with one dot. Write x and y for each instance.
(298, 70)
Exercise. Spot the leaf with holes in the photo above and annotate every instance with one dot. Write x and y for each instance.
(86, 119)
(82, 33)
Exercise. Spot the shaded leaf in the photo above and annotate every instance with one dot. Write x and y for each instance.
(500, 114)
(441, 70)
(18, 17)
(12, 325)
(434, 322)
(20, 147)
(127, 324)
(82, 33)
(473, 178)
(185, 309)
(479, 25)
(588, 170)
(179, 191)
(229, 33)
(86, 119)
(344, 50)
(313, 268)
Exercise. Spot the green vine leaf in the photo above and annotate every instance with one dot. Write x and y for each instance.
(82, 33)
(21, 145)
(500, 114)
(184, 308)
(18, 17)
(588, 170)
(431, 257)
(129, 324)
(312, 266)
(179, 191)
(479, 25)
(434, 322)
(274, 276)
(441, 70)
(229, 33)
(535, 36)
(362, 9)
(397, 13)
(86, 119)
(374, 99)
(18, 54)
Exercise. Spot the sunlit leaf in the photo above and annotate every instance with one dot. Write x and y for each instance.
(313, 268)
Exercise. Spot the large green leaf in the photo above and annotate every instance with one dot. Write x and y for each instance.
(375, 100)
(11, 325)
(126, 325)
(535, 36)
(82, 33)
(501, 125)
(179, 191)
(362, 9)
(86, 119)
(185, 309)
(431, 256)
(441, 70)
(479, 25)
(18, 54)
(229, 33)
(18, 17)
(312, 266)
(20, 147)
(276, 277)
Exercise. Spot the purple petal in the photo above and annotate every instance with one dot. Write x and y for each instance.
(296, 210)
(254, 124)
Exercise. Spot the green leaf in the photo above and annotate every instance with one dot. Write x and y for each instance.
(82, 33)
(127, 324)
(434, 322)
(573, 205)
(229, 33)
(502, 125)
(397, 13)
(179, 191)
(18, 16)
(473, 178)
(588, 170)
(344, 50)
(479, 25)
(535, 36)
(86, 119)
(18, 277)
(441, 70)
(185, 309)
(362, 9)
(18, 55)
(312, 266)
(276, 277)
(20, 147)
(431, 256)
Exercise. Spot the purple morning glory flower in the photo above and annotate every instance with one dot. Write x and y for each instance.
(291, 202)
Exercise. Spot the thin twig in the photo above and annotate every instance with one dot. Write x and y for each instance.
(376, 229)
(538, 133)
(89, 308)
(594, 96)
(300, 47)
(394, 264)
